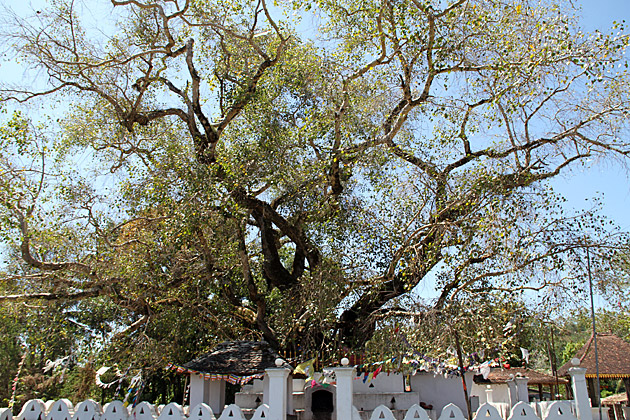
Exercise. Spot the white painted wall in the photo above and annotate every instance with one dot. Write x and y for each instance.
(383, 382)
(439, 391)
(444, 393)
(500, 393)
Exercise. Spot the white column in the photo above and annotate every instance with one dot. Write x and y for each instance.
(489, 396)
(216, 396)
(512, 390)
(198, 392)
(344, 402)
(265, 386)
(580, 393)
(521, 388)
(290, 402)
(278, 391)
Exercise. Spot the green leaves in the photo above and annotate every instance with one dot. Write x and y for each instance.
(221, 172)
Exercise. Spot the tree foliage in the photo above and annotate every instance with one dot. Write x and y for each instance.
(213, 170)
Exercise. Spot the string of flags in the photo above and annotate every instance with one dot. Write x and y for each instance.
(411, 365)
(230, 378)
(16, 379)
(407, 364)
(102, 371)
(53, 365)
(135, 387)
(120, 381)
(313, 379)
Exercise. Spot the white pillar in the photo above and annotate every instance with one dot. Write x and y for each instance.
(215, 396)
(580, 393)
(278, 391)
(198, 391)
(489, 396)
(265, 384)
(521, 388)
(512, 391)
(344, 402)
(290, 402)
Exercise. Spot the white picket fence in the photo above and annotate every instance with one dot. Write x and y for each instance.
(115, 410)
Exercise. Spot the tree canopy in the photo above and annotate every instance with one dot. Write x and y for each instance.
(299, 172)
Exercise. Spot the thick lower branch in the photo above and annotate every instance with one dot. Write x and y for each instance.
(92, 292)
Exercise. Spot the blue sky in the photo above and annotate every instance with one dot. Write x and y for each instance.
(608, 180)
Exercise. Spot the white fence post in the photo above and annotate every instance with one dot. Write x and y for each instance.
(416, 412)
(580, 393)
(115, 410)
(452, 412)
(201, 411)
(61, 410)
(512, 391)
(344, 400)
(262, 412)
(88, 410)
(523, 411)
(278, 391)
(380, 412)
(487, 412)
(521, 388)
(558, 410)
(489, 394)
(143, 411)
(172, 411)
(233, 412)
(6, 414)
(33, 410)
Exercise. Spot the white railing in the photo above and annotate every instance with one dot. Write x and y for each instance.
(115, 410)
(278, 406)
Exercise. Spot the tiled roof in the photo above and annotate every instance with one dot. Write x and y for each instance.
(236, 357)
(500, 376)
(615, 399)
(613, 354)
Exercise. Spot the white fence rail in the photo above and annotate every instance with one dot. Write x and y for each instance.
(278, 406)
(115, 410)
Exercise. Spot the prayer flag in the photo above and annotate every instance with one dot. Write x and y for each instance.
(307, 368)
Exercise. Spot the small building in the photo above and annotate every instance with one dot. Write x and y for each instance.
(396, 391)
(617, 406)
(244, 363)
(497, 382)
(236, 362)
(614, 362)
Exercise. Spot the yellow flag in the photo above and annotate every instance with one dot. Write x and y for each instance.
(307, 368)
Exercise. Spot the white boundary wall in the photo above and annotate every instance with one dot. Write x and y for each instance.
(277, 409)
(91, 410)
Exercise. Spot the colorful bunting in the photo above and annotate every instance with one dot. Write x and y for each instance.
(17, 377)
(307, 368)
(231, 378)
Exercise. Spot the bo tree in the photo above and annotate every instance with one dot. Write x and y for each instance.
(219, 169)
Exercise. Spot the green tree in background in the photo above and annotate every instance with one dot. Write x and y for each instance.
(210, 170)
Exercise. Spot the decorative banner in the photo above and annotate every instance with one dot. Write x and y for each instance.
(231, 378)
(418, 362)
(17, 377)
(186, 391)
(485, 370)
(135, 386)
(120, 381)
(307, 368)
(50, 365)
(525, 354)
(101, 372)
